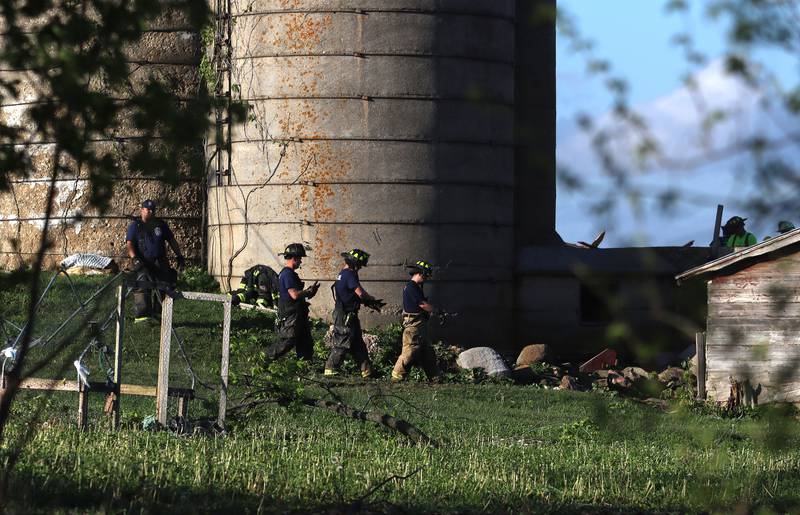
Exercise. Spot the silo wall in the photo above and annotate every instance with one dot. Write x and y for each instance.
(170, 51)
(387, 126)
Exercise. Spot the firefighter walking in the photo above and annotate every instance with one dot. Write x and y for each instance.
(417, 311)
(348, 295)
(293, 326)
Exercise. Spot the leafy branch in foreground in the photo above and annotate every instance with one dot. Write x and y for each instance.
(87, 116)
(286, 382)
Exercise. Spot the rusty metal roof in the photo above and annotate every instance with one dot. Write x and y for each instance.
(760, 250)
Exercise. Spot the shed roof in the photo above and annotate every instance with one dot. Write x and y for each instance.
(760, 250)
(565, 260)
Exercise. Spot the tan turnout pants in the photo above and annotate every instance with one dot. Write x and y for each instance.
(417, 350)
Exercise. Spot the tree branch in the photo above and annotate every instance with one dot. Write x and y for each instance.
(383, 419)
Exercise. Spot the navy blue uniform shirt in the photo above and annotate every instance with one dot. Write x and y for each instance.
(149, 239)
(345, 287)
(287, 279)
(412, 297)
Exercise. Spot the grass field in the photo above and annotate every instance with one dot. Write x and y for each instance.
(502, 448)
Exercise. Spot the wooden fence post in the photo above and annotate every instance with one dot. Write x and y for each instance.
(120, 336)
(700, 342)
(83, 405)
(162, 387)
(226, 350)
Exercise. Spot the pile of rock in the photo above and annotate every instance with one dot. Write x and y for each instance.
(531, 367)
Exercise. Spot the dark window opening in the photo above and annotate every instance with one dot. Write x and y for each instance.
(595, 304)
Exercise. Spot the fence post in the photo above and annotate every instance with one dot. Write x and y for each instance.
(700, 342)
(120, 336)
(83, 405)
(226, 350)
(162, 387)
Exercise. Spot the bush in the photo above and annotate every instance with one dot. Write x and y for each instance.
(195, 278)
(390, 343)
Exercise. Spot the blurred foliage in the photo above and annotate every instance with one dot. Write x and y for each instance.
(626, 146)
(195, 278)
(75, 58)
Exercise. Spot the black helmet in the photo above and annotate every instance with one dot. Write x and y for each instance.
(420, 267)
(294, 250)
(785, 226)
(735, 221)
(356, 257)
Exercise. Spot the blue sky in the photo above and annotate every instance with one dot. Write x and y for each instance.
(635, 36)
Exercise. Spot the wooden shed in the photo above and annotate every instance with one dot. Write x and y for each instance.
(753, 324)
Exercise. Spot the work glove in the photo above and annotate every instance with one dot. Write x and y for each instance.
(312, 290)
(376, 304)
(181, 262)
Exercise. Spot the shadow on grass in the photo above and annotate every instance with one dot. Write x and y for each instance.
(45, 494)
(34, 493)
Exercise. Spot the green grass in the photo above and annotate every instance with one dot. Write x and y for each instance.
(503, 448)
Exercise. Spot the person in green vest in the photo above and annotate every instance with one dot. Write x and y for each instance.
(739, 237)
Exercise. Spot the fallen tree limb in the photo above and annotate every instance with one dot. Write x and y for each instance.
(356, 505)
(383, 419)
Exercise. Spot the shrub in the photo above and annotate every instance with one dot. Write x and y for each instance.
(195, 278)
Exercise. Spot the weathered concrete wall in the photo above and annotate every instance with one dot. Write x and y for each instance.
(169, 51)
(398, 124)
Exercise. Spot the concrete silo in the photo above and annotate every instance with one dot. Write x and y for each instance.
(168, 50)
(388, 126)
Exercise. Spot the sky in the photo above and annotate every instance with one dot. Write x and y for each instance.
(635, 36)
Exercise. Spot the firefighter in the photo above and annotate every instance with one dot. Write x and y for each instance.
(417, 311)
(739, 237)
(259, 286)
(348, 295)
(293, 326)
(146, 241)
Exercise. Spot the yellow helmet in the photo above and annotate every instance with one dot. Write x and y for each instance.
(420, 267)
(356, 257)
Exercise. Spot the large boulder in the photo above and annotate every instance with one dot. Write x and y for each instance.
(531, 354)
(484, 358)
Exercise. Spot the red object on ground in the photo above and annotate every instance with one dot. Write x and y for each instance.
(607, 357)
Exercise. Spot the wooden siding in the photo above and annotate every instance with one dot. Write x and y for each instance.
(753, 330)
